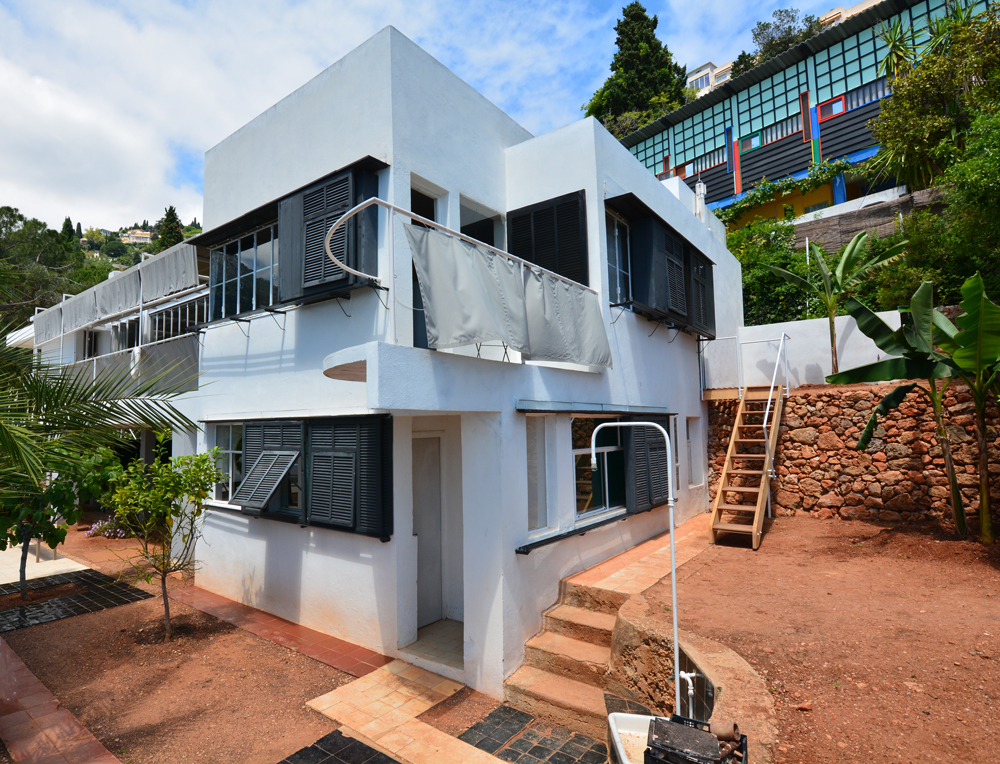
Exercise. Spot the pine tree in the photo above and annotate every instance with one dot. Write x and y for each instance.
(67, 229)
(645, 82)
(79, 231)
(171, 231)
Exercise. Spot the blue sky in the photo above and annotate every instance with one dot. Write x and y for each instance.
(109, 105)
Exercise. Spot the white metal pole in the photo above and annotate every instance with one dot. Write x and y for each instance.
(673, 552)
(391, 298)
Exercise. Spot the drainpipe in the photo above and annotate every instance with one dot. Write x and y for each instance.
(689, 676)
(673, 553)
(700, 189)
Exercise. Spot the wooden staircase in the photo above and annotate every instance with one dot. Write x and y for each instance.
(741, 501)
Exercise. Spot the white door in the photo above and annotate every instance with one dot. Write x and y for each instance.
(427, 528)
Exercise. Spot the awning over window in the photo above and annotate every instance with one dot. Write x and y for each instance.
(472, 295)
(118, 294)
(171, 271)
(175, 360)
(564, 321)
(48, 324)
(262, 480)
(79, 311)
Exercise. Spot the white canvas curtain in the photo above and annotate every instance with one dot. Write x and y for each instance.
(472, 295)
(79, 311)
(48, 324)
(171, 271)
(118, 294)
(175, 361)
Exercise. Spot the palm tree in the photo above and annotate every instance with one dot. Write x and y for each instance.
(835, 284)
(901, 49)
(51, 419)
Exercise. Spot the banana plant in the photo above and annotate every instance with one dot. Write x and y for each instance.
(845, 276)
(916, 358)
(974, 347)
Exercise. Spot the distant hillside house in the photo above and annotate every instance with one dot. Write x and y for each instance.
(137, 236)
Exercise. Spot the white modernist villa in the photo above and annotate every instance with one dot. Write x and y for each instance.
(400, 455)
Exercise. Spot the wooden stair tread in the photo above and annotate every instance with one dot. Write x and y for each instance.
(733, 528)
(758, 473)
(738, 507)
(751, 440)
(742, 488)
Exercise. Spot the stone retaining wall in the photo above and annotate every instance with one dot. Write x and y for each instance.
(899, 478)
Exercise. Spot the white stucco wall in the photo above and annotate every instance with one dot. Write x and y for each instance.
(391, 100)
(807, 349)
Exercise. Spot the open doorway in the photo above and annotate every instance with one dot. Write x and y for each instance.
(437, 532)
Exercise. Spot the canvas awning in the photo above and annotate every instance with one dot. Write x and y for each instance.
(48, 324)
(118, 294)
(473, 295)
(176, 361)
(170, 271)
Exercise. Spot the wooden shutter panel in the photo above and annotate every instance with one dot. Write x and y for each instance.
(332, 478)
(350, 474)
(263, 478)
(676, 282)
(702, 295)
(321, 208)
(647, 466)
(553, 235)
(271, 435)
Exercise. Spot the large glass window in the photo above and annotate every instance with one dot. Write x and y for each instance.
(604, 487)
(229, 441)
(619, 254)
(537, 504)
(244, 274)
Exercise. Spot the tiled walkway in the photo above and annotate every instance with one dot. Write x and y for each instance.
(34, 728)
(381, 710)
(440, 642)
(47, 565)
(100, 592)
(636, 569)
(514, 736)
(345, 656)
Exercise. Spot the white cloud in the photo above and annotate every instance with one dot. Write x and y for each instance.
(105, 102)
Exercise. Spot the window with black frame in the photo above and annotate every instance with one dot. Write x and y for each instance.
(229, 441)
(619, 259)
(243, 275)
(604, 487)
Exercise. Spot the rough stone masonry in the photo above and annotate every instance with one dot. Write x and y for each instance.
(899, 478)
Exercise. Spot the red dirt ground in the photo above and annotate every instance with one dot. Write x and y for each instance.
(215, 694)
(889, 637)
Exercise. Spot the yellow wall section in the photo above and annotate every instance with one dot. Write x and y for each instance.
(775, 210)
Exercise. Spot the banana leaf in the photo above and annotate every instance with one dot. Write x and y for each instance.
(887, 404)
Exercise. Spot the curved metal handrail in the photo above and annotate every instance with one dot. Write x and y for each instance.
(375, 201)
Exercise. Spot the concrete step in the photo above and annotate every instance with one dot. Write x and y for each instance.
(573, 704)
(568, 657)
(590, 597)
(579, 623)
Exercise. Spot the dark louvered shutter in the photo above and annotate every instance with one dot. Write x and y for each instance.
(271, 435)
(676, 283)
(702, 296)
(321, 208)
(350, 474)
(263, 479)
(331, 488)
(647, 466)
(552, 234)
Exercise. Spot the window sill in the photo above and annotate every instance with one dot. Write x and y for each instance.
(591, 523)
(216, 504)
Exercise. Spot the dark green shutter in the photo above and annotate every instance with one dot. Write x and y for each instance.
(321, 208)
(647, 466)
(350, 474)
(271, 435)
(553, 235)
(702, 296)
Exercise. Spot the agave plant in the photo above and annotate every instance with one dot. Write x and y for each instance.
(915, 358)
(849, 271)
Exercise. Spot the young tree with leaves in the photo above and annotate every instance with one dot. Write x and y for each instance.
(171, 231)
(162, 504)
(772, 38)
(645, 83)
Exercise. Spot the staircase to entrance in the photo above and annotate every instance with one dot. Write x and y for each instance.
(564, 675)
(744, 491)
